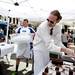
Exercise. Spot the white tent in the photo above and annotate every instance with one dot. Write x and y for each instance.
(37, 9)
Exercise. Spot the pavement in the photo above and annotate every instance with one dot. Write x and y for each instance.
(9, 68)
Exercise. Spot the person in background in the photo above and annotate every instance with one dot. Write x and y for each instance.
(48, 38)
(2, 37)
(64, 38)
(22, 50)
(70, 37)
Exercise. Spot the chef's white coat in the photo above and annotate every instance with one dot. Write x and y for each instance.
(43, 43)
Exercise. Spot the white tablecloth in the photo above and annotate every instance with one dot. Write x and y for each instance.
(53, 72)
(5, 49)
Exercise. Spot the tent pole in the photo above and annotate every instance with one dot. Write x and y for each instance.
(7, 41)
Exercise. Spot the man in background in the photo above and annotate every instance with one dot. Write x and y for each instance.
(22, 49)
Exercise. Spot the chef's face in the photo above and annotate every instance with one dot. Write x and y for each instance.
(52, 20)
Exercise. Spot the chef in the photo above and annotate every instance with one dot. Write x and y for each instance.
(48, 38)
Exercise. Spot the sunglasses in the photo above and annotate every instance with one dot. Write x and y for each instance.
(50, 21)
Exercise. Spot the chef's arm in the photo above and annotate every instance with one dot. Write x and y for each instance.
(49, 43)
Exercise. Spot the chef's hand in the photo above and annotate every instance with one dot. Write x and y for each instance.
(69, 52)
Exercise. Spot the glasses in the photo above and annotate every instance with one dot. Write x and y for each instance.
(50, 21)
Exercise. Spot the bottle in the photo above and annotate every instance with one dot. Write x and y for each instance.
(45, 71)
(57, 71)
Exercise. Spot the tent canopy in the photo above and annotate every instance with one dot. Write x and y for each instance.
(37, 9)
